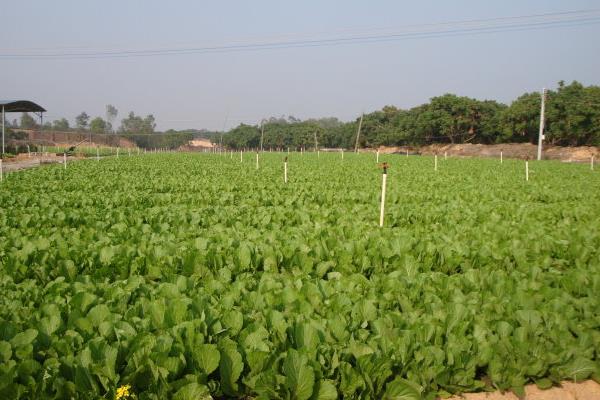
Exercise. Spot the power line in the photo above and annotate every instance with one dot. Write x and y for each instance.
(493, 25)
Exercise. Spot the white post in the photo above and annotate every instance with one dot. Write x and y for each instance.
(383, 185)
(592, 163)
(541, 133)
(285, 170)
(500, 157)
(435, 163)
(128, 152)
(406, 152)
(377, 159)
(1, 171)
(527, 171)
(241, 155)
(65, 159)
(257, 160)
(97, 154)
(342, 154)
(445, 155)
(28, 152)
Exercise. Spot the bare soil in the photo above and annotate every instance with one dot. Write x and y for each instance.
(587, 390)
(24, 161)
(509, 150)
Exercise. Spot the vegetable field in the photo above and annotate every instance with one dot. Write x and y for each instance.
(191, 276)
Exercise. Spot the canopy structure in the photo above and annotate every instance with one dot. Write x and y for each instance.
(19, 106)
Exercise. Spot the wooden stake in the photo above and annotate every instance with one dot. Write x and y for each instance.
(592, 163)
(377, 158)
(257, 160)
(97, 154)
(1, 171)
(241, 155)
(435, 163)
(500, 157)
(342, 154)
(65, 159)
(526, 170)
(445, 155)
(383, 187)
(285, 170)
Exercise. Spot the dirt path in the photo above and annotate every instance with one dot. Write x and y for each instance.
(587, 390)
(25, 162)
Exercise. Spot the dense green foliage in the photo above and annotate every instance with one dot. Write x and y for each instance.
(184, 275)
(572, 118)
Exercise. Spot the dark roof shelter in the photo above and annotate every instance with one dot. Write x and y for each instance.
(19, 106)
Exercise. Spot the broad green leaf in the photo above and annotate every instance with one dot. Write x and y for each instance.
(325, 390)
(207, 356)
(401, 389)
(24, 338)
(192, 391)
(230, 368)
(300, 377)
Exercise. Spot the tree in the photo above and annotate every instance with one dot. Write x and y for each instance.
(135, 124)
(520, 121)
(111, 115)
(27, 121)
(81, 121)
(60, 124)
(98, 125)
(573, 113)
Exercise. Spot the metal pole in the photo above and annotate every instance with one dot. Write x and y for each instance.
(541, 133)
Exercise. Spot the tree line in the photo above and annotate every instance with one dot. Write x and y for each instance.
(572, 119)
(138, 129)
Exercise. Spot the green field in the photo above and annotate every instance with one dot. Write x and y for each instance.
(196, 275)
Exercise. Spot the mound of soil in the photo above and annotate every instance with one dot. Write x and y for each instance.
(509, 150)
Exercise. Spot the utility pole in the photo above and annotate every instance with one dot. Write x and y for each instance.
(541, 135)
(3, 128)
(223, 130)
(262, 134)
(358, 133)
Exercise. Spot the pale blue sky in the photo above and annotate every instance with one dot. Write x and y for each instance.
(199, 90)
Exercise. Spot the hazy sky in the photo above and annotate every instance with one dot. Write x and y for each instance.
(199, 90)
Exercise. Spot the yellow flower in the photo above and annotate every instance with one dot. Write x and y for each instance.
(123, 392)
